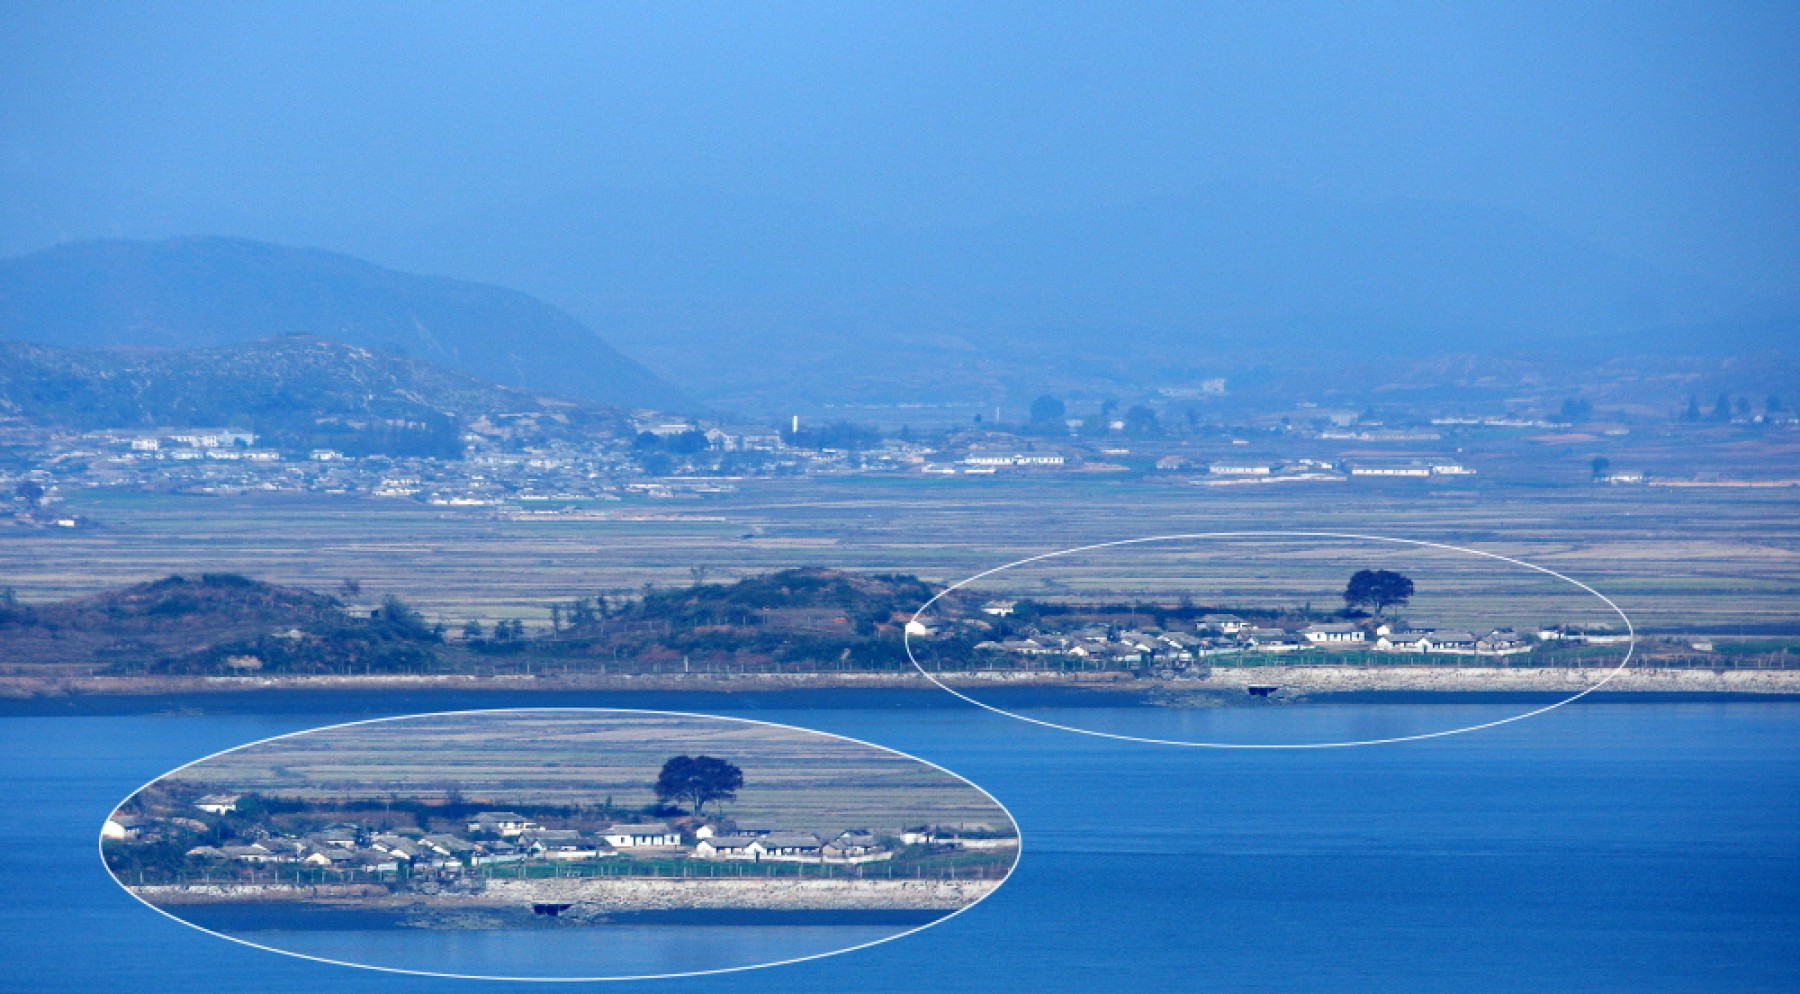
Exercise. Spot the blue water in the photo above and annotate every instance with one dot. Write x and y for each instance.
(1602, 847)
(610, 951)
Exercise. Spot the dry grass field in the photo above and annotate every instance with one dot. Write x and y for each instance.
(800, 780)
(1717, 561)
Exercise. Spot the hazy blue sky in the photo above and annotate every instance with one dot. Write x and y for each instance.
(1660, 132)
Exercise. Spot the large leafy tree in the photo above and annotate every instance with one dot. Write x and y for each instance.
(1047, 410)
(697, 780)
(1377, 589)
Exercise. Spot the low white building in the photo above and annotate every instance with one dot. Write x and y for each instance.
(728, 847)
(218, 804)
(1412, 471)
(1451, 643)
(1502, 642)
(121, 827)
(1230, 624)
(1334, 633)
(789, 847)
(505, 824)
(646, 835)
(1400, 641)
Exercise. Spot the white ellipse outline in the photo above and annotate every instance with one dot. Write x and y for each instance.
(1017, 859)
(1630, 649)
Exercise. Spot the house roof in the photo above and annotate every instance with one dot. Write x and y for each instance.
(790, 840)
(729, 841)
(642, 828)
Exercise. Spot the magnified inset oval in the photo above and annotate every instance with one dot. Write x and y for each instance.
(560, 844)
(1218, 631)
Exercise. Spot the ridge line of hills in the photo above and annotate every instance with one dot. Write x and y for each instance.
(208, 292)
(295, 392)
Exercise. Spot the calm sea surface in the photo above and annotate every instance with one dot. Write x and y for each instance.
(1602, 847)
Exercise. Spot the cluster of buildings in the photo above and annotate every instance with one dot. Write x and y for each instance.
(1267, 470)
(544, 456)
(507, 837)
(1217, 635)
(503, 465)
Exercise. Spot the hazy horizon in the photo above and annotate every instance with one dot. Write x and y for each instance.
(782, 203)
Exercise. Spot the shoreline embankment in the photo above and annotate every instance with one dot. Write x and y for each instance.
(1315, 679)
(604, 894)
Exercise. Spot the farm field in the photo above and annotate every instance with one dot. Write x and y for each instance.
(801, 780)
(1713, 561)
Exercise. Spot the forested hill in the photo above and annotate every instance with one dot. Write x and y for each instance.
(212, 623)
(296, 392)
(796, 620)
(788, 600)
(188, 293)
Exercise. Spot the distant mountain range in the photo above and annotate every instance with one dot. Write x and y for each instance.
(773, 308)
(296, 391)
(190, 293)
(764, 304)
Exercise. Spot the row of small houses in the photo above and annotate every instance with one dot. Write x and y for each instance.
(747, 840)
(508, 837)
(1229, 635)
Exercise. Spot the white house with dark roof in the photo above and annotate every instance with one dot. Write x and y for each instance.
(855, 846)
(1502, 642)
(791, 846)
(1401, 641)
(566, 844)
(1453, 643)
(1241, 469)
(1334, 633)
(340, 834)
(728, 847)
(121, 827)
(218, 804)
(505, 824)
(645, 835)
(447, 845)
(1228, 624)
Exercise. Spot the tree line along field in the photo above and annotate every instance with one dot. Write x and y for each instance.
(1702, 561)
